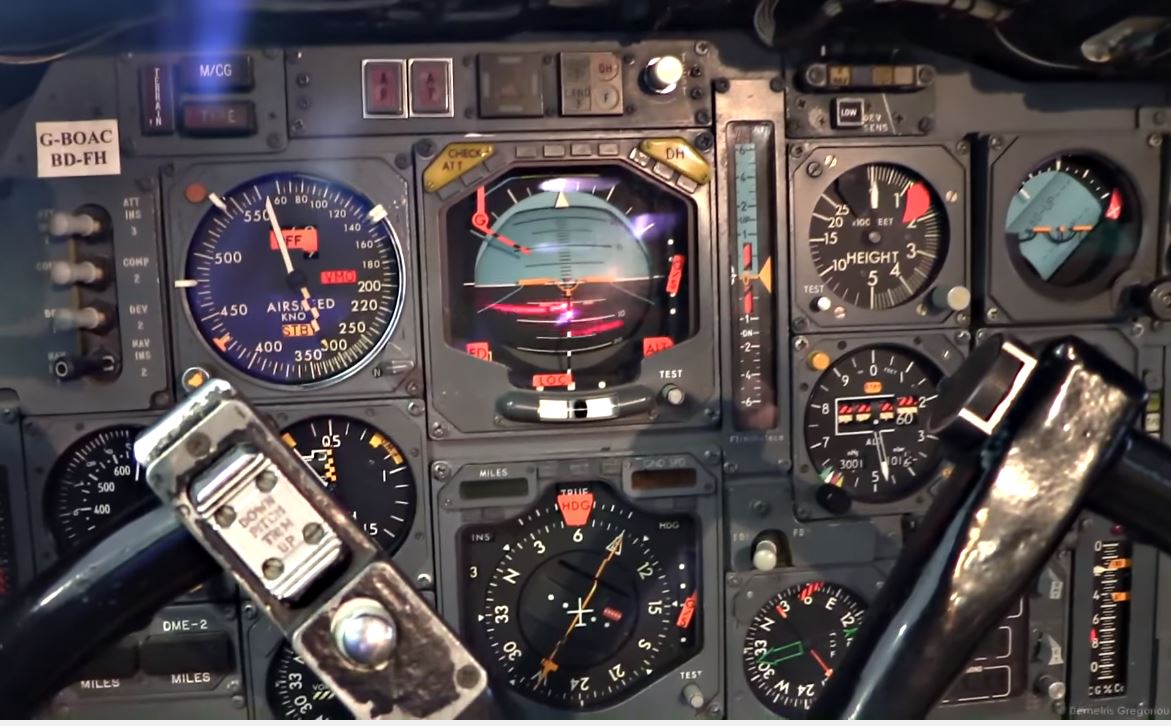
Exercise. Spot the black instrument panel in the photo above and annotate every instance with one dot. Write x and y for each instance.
(628, 369)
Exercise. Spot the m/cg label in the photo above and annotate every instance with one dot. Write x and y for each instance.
(78, 148)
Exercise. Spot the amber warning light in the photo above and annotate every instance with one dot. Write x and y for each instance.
(303, 239)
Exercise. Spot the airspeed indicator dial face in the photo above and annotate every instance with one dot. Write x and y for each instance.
(310, 304)
(878, 236)
(582, 601)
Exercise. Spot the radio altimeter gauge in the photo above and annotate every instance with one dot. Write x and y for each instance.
(582, 601)
(796, 640)
(1072, 226)
(865, 424)
(878, 236)
(569, 278)
(293, 279)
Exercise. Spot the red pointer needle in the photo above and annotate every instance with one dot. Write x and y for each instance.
(480, 222)
(828, 671)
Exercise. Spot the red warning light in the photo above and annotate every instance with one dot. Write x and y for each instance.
(575, 506)
(611, 614)
(303, 239)
(339, 277)
(552, 380)
(656, 344)
(675, 276)
(687, 612)
(479, 349)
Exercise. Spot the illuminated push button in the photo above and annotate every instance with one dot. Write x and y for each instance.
(679, 155)
(205, 74)
(430, 87)
(511, 85)
(219, 118)
(384, 88)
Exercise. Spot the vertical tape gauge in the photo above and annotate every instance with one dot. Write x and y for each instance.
(754, 352)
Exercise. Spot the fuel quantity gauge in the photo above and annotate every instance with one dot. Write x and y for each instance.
(753, 343)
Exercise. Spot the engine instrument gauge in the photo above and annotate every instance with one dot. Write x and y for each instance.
(865, 423)
(582, 601)
(1110, 618)
(796, 640)
(294, 279)
(751, 219)
(93, 483)
(570, 278)
(364, 468)
(878, 236)
(7, 545)
(1072, 226)
(295, 693)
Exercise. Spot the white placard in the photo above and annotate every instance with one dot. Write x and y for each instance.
(78, 148)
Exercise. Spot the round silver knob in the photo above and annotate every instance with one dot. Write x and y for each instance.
(364, 632)
(662, 74)
(956, 298)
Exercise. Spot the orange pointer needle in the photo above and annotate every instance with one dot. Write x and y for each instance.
(549, 665)
(828, 671)
(480, 223)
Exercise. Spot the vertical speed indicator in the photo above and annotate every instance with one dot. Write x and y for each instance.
(753, 348)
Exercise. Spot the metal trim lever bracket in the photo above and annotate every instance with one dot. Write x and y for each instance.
(265, 517)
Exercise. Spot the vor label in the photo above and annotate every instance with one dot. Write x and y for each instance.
(78, 148)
